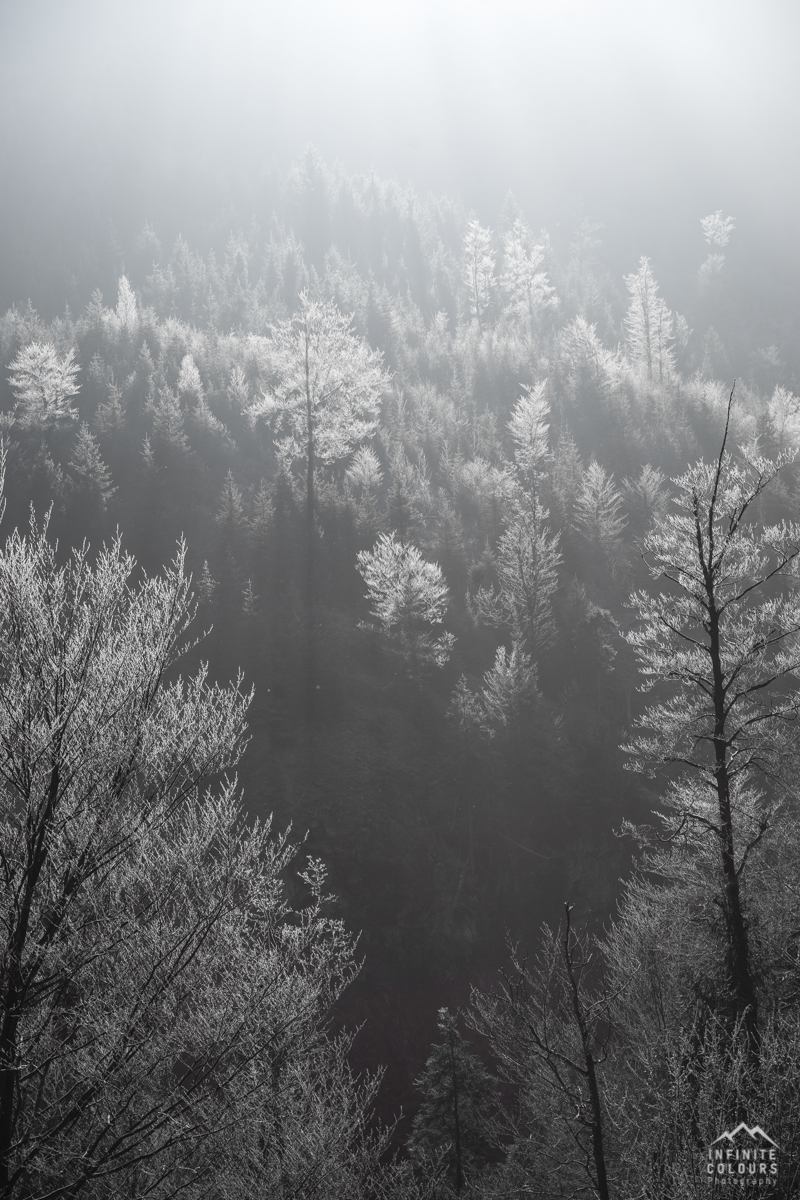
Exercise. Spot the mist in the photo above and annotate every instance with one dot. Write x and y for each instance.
(641, 116)
(438, 366)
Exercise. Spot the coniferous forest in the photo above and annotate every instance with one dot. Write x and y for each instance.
(399, 707)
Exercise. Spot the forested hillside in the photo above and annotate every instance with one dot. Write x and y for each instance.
(415, 460)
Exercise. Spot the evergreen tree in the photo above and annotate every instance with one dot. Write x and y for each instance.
(109, 417)
(89, 475)
(457, 1117)
(408, 597)
(599, 514)
(527, 287)
(526, 563)
(169, 437)
(648, 325)
(479, 261)
(717, 232)
(527, 557)
(509, 687)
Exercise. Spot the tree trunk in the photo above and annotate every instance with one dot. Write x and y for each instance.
(598, 1149)
(736, 930)
(456, 1122)
(13, 983)
(310, 553)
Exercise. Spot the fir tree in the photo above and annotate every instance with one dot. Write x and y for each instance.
(408, 597)
(230, 514)
(457, 1116)
(648, 325)
(509, 687)
(206, 585)
(478, 269)
(527, 286)
(89, 475)
(599, 511)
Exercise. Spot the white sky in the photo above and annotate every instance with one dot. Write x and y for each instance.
(652, 113)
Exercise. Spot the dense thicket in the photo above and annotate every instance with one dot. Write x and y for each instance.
(430, 598)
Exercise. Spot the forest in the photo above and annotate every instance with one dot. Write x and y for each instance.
(398, 702)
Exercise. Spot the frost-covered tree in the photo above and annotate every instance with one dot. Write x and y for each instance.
(529, 427)
(125, 318)
(648, 325)
(526, 563)
(783, 411)
(509, 687)
(408, 598)
(326, 390)
(526, 285)
(599, 511)
(169, 434)
(717, 233)
(646, 498)
(527, 556)
(89, 475)
(717, 229)
(189, 381)
(365, 476)
(43, 385)
(162, 1005)
(722, 637)
(479, 259)
(230, 514)
(548, 1027)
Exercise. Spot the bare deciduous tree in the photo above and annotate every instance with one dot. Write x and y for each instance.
(162, 1005)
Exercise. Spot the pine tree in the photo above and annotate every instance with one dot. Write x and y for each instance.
(565, 480)
(599, 511)
(457, 1116)
(527, 564)
(169, 436)
(509, 687)
(109, 417)
(529, 427)
(89, 475)
(648, 325)
(479, 260)
(206, 585)
(189, 381)
(527, 557)
(366, 476)
(250, 604)
(527, 287)
(408, 597)
(646, 498)
(717, 232)
(261, 523)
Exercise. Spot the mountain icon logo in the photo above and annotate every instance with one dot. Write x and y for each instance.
(755, 1132)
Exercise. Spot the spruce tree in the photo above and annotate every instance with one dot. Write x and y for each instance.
(91, 478)
(456, 1119)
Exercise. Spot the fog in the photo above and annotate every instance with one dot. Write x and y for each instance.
(644, 116)
(413, 323)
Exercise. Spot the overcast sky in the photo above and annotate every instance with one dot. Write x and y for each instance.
(644, 115)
